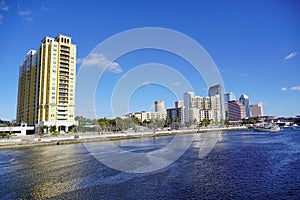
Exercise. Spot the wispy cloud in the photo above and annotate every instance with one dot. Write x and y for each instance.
(284, 89)
(290, 56)
(101, 61)
(44, 8)
(4, 6)
(295, 88)
(24, 13)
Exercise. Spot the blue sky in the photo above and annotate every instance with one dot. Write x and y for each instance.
(255, 45)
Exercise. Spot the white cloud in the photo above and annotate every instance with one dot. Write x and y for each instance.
(291, 88)
(4, 6)
(295, 88)
(24, 13)
(44, 8)
(284, 89)
(290, 56)
(99, 60)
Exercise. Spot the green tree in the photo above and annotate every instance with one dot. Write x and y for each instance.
(52, 128)
(104, 123)
(136, 120)
(205, 122)
(226, 123)
(250, 120)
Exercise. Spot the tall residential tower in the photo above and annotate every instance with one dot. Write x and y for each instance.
(47, 77)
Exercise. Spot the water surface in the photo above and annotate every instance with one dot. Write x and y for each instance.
(242, 165)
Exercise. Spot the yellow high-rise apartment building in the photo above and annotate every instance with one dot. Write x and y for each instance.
(47, 77)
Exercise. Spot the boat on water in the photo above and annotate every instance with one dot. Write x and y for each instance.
(267, 128)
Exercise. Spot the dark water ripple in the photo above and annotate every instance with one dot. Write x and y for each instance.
(242, 165)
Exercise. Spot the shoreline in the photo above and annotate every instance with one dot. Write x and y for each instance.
(32, 141)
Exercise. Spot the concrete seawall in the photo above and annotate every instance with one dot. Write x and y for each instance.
(30, 141)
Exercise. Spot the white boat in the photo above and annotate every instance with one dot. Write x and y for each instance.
(267, 128)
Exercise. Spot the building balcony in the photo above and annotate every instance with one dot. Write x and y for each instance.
(61, 117)
(65, 57)
(63, 87)
(63, 79)
(64, 53)
(64, 64)
(62, 108)
(64, 95)
(64, 69)
(62, 113)
(62, 60)
(63, 91)
(65, 48)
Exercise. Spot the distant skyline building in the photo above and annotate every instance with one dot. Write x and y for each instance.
(179, 104)
(160, 112)
(256, 110)
(176, 114)
(159, 106)
(236, 110)
(46, 90)
(230, 97)
(188, 98)
(244, 99)
(197, 108)
(218, 90)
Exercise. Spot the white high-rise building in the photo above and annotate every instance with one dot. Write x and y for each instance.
(216, 108)
(198, 108)
(159, 106)
(218, 90)
(188, 101)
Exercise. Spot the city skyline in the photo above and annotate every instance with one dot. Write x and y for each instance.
(255, 46)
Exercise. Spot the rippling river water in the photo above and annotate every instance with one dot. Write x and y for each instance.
(242, 165)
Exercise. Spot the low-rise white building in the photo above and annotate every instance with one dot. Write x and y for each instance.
(142, 116)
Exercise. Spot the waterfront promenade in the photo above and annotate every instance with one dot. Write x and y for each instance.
(35, 140)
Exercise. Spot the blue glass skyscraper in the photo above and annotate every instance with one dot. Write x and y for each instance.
(244, 99)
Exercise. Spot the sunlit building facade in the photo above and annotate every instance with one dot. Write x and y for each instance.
(46, 90)
(256, 110)
(236, 110)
